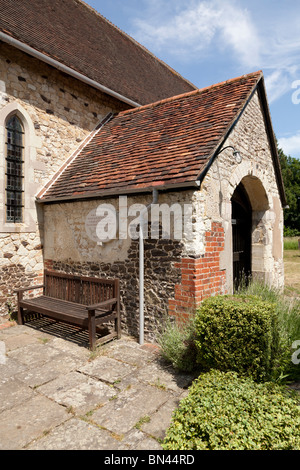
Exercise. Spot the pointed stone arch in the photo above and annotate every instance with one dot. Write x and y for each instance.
(31, 143)
(266, 224)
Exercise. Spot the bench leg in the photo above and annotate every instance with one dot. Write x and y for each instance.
(118, 320)
(118, 326)
(20, 309)
(92, 328)
(20, 316)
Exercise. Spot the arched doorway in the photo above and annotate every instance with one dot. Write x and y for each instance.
(241, 221)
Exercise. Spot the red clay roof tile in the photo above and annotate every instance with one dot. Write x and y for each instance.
(75, 35)
(164, 143)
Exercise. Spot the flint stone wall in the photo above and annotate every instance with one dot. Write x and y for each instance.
(58, 113)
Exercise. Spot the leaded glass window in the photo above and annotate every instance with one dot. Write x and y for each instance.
(14, 170)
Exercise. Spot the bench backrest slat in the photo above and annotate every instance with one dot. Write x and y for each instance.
(79, 289)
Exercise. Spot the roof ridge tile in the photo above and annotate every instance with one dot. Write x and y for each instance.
(199, 91)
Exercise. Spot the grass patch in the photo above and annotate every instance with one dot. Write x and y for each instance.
(142, 420)
(291, 272)
(291, 243)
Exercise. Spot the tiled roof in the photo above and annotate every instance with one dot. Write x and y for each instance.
(165, 144)
(75, 35)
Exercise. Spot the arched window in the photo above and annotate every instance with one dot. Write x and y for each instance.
(14, 170)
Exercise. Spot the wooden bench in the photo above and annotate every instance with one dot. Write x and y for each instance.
(81, 301)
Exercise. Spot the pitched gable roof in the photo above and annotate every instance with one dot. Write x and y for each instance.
(71, 33)
(166, 144)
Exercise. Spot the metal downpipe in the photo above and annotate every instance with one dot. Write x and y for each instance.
(141, 266)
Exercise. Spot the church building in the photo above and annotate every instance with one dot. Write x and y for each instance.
(92, 124)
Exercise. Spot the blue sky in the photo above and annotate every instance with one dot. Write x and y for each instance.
(211, 41)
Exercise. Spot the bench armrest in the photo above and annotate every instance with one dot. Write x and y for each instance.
(23, 289)
(102, 304)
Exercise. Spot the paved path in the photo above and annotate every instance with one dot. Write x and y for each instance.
(54, 394)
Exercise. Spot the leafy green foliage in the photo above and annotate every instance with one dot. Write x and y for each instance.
(238, 333)
(225, 412)
(290, 168)
(288, 315)
(177, 343)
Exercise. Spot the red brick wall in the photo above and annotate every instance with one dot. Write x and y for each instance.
(200, 277)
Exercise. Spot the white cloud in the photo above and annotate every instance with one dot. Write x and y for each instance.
(278, 83)
(199, 25)
(291, 145)
(239, 32)
(194, 29)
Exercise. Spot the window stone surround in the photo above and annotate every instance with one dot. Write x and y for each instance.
(31, 144)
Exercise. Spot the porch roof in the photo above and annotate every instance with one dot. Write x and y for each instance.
(167, 144)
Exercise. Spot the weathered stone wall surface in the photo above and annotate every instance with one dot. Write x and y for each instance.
(180, 273)
(58, 113)
(71, 246)
(256, 172)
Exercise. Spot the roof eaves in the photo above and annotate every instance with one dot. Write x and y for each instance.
(7, 38)
(138, 44)
(116, 192)
(230, 128)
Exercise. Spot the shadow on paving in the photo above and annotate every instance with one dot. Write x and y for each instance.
(55, 394)
(59, 329)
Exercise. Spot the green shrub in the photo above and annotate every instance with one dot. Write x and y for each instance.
(225, 412)
(288, 314)
(238, 333)
(290, 232)
(177, 343)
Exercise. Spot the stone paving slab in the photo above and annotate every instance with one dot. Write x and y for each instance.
(55, 366)
(106, 369)
(34, 354)
(76, 434)
(12, 393)
(55, 394)
(156, 426)
(78, 392)
(129, 408)
(28, 420)
(10, 368)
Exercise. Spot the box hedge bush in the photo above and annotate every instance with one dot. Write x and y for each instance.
(226, 412)
(238, 333)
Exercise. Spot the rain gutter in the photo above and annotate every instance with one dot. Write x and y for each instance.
(64, 68)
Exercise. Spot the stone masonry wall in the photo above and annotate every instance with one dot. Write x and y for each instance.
(256, 172)
(160, 279)
(71, 247)
(178, 274)
(59, 112)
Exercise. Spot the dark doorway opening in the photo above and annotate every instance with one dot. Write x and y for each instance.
(241, 237)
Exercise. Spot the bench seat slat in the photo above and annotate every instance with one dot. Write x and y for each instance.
(89, 302)
(64, 310)
(60, 309)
